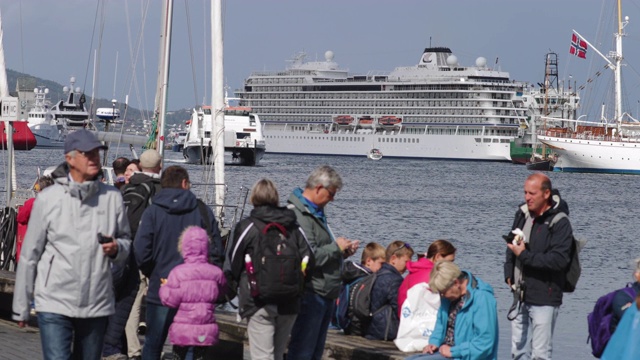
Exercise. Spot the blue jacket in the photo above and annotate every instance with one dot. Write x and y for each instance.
(156, 243)
(384, 304)
(476, 327)
(624, 344)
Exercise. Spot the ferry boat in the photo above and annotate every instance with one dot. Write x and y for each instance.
(243, 137)
(447, 110)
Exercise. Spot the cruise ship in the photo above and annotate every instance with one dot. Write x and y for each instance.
(436, 109)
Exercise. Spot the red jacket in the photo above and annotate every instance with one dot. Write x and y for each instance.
(419, 271)
(24, 213)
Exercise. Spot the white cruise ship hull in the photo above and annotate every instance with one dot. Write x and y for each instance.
(426, 146)
(595, 156)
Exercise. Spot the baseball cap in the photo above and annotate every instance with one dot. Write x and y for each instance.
(150, 159)
(82, 140)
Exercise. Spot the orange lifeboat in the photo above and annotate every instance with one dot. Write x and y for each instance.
(365, 121)
(343, 120)
(389, 120)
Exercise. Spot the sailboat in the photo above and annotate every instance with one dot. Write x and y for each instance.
(606, 146)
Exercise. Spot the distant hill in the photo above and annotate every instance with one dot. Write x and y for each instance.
(55, 93)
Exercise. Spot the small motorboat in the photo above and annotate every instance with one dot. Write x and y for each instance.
(375, 154)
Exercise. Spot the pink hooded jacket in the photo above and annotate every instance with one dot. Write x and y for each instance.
(193, 288)
(419, 271)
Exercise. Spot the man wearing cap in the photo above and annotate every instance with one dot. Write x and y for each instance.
(63, 263)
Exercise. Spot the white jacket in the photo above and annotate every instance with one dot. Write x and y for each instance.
(61, 254)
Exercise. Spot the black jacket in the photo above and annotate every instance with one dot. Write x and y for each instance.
(384, 304)
(244, 239)
(547, 256)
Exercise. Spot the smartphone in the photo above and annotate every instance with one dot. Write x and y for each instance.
(104, 239)
(509, 238)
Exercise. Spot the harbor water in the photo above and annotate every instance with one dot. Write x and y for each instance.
(469, 203)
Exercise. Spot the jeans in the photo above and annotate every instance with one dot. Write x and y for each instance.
(269, 333)
(532, 332)
(434, 356)
(158, 319)
(59, 332)
(310, 329)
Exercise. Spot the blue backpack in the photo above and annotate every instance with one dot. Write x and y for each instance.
(599, 321)
(352, 310)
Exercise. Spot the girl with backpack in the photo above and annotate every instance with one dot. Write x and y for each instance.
(270, 319)
(193, 288)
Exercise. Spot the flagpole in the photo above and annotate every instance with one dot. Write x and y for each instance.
(595, 49)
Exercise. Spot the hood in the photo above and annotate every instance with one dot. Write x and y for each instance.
(557, 205)
(82, 190)
(352, 270)
(476, 285)
(280, 215)
(139, 178)
(420, 265)
(175, 201)
(194, 245)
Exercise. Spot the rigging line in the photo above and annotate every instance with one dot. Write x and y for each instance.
(204, 47)
(193, 68)
(93, 33)
(21, 40)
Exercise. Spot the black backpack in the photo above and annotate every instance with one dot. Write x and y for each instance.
(574, 269)
(136, 199)
(277, 263)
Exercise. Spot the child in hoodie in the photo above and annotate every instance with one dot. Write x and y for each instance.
(193, 287)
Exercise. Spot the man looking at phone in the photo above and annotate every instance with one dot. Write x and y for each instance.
(537, 266)
(63, 263)
(310, 329)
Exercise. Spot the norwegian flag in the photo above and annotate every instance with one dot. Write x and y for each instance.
(578, 47)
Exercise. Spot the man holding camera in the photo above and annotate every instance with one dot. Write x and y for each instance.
(535, 267)
(77, 228)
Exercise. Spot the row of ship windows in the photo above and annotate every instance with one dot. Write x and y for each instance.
(413, 119)
(395, 112)
(346, 138)
(458, 94)
(262, 104)
(436, 131)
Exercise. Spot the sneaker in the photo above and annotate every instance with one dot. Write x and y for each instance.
(142, 328)
(116, 357)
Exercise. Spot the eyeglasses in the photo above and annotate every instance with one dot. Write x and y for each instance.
(331, 193)
(404, 245)
(90, 153)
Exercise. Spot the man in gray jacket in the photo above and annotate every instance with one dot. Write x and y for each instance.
(64, 262)
(310, 329)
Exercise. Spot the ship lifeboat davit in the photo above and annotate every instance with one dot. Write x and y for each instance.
(389, 120)
(108, 113)
(23, 138)
(365, 121)
(343, 120)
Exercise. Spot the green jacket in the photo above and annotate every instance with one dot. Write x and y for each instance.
(325, 280)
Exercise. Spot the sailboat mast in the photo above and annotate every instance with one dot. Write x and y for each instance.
(217, 101)
(618, 62)
(163, 75)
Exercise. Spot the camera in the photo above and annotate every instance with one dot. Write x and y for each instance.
(102, 239)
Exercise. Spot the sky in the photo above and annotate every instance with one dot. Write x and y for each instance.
(56, 40)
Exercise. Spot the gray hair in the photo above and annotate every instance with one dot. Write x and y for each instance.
(326, 176)
(443, 275)
(637, 261)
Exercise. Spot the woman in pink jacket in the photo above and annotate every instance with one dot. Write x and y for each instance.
(420, 270)
(193, 287)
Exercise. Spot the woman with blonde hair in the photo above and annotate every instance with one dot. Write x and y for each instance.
(467, 323)
(269, 323)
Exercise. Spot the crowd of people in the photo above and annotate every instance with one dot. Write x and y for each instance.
(95, 253)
